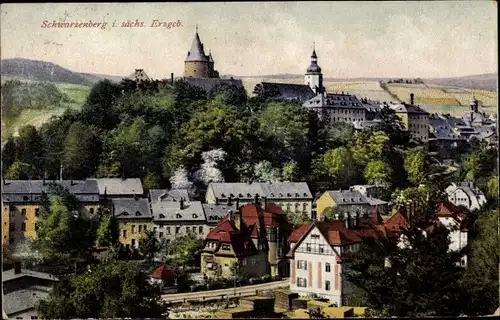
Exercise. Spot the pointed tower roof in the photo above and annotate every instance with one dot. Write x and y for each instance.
(196, 53)
(313, 67)
(210, 59)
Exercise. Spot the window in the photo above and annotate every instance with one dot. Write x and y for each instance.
(133, 228)
(36, 226)
(200, 229)
(145, 227)
(302, 264)
(91, 210)
(244, 262)
(125, 233)
(321, 248)
(133, 242)
(301, 282)
(140, 228)
(225, 246)
(168, 230)
(177, 230)
(154, 229)
(23, 226)
(308, 247)
(12, 213)
(253, 261)
(161, 234)
(23, 212)
(12, 227)
(188, 229)
(315, 236)
(37, 212)
(327, 267)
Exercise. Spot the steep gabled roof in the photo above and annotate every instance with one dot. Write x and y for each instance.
(162, 272)
(289, 91)
(197, 52)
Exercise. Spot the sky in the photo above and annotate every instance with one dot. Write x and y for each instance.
(352, 39)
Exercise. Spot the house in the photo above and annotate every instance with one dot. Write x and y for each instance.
(415, 119)
(466, 194)
(134, 219)
(321, 249)
(229, 250)
(197, 63)
(168, 195)
(447, 216)
(173, 219)
(265, 224)
(346, 201)
(337, 107)
(139, 75)
(22, 291)
(372, 190)
(21, 204)
(292, 197)
(164, 277)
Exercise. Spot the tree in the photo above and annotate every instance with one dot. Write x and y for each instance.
(180, 179)
(81, 151)
(393, 127)
(340, 134)
(30, 151)
(298, 218)
(290, 171)
(421, 270)
(480, 280)
(492, 189)
(149, 246)
(8, 153)
(62, 232)
(107, 232)
(98, 109)
(182, 251)
(15, 172)
(367, 147)
(333, 213)
(378, 172)
(415, 165)
(339, 164)
(116, 289)
(209, 171)
(264, 171)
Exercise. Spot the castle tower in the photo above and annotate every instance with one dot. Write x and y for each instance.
(313, 77)
(197, 64)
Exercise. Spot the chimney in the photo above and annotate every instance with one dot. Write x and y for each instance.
(231, 215)
(256, 198)
(216, 200)
(229, 200)
(313, 215)
(357, 223)
(237, 203)
(182, 203)
(17, 267)
(172, 78)
(265, 202)
(412, 96)
(348, 221)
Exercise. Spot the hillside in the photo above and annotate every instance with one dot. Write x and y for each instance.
(486, 81)
(36, 70)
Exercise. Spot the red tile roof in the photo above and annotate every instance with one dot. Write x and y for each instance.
(163, 272)
(222, 231)
(448, 209)
(299, 232)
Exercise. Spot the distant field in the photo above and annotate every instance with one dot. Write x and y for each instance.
(361, 89)
(77, 95)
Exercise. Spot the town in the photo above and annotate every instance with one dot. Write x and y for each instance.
(190, 197)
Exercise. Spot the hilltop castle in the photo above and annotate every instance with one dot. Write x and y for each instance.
(197, 63)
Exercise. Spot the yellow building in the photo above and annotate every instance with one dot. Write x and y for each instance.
(21, 205)
(415, 119)
(197, 64)
(346, 201)
(134, 219)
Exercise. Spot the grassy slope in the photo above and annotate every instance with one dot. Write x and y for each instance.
(77, 95)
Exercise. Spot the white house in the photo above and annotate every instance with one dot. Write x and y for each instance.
(319, 252)
(466, 194)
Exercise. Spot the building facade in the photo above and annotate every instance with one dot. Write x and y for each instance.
(338, 107)
(21, 204)
(466, 194)
(294, 197)
(345, 201)
(134, 220)
(415, 119)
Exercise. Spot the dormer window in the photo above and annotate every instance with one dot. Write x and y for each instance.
(231, 195)
(240, 195)
(137, 213)
(223, 195)
(305, 194)
(272, 194)
(352, 199)
(249, 195)
(281, 194)
(178, 216)
(195, 216)
(288, 194)
(124, 213)
(162, 216)
(297, 195)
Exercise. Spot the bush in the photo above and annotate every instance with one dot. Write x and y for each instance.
(266, 278)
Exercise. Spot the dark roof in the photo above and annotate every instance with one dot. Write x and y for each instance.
(171, 211)
(214, 213)
(208, 84)
(119, 187)
(348, 197)
(30, 190)
(409, 108)
(168, 195)
(131, 208)
(9, 275)
(197, 52)
(273, 191)
(23, 300)
(288, 91)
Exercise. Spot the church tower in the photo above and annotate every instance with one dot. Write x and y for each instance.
(313, 77)
(197, 64)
